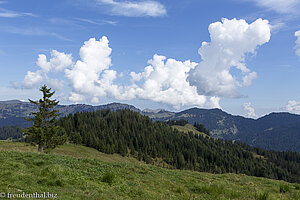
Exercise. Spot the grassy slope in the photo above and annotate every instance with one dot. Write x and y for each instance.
(77, 172)
(187, 128)
(76, 151)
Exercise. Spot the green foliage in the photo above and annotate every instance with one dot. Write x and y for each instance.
(76, 138)
(262, 196)
(108, 177)
(123, 130)
(201, 128)
(180, 122)
(13, 132)
(44, 132)
(283, 188)
(212, 190)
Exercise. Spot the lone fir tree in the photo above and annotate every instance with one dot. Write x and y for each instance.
(44, 132)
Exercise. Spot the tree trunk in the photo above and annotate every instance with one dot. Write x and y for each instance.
(41, 148)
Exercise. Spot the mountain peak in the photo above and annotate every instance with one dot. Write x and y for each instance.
(203, 110)
(279, 115)
(11, 101)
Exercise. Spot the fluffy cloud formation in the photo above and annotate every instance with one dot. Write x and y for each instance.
(297, 34)
(135, 8)
(231, 41)
(250, 110)
(58, 62)
(32, 79)
(91, 76)
(75, 97)
(164, 80)
(247, 80)
(177, 83)
(55, 83)
(293, 106)
(280, 6)
(84, 75)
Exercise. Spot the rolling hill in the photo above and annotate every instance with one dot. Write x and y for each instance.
(130, 133)
(78, 172)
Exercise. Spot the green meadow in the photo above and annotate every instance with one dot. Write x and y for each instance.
(78, 172)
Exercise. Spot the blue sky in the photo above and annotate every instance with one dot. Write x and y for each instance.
(151, 53)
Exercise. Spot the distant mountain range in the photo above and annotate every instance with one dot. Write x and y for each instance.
(13, 112)
(276, 131)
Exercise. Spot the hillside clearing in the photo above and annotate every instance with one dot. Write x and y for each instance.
(189, 128)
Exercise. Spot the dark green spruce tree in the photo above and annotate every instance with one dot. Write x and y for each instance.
(44, 132)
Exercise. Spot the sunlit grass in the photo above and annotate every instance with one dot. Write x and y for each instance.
(78, 172)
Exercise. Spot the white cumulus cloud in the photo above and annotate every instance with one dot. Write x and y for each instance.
(247, 80)
(164, 80)
(32, 79)
(91, 75)
(293, 106)
(55, 83)
(75, 97)
(57, 63)
(231, 41)
(250, 110)
(297, 34)
(135, 8)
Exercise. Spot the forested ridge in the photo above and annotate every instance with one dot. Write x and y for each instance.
(13, 132)
(129, 133)
(275, 131)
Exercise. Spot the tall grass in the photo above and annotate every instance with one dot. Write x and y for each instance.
(75, 177)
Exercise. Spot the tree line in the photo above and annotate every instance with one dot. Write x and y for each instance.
(131, 134)
(201, 128)
(10, 132)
